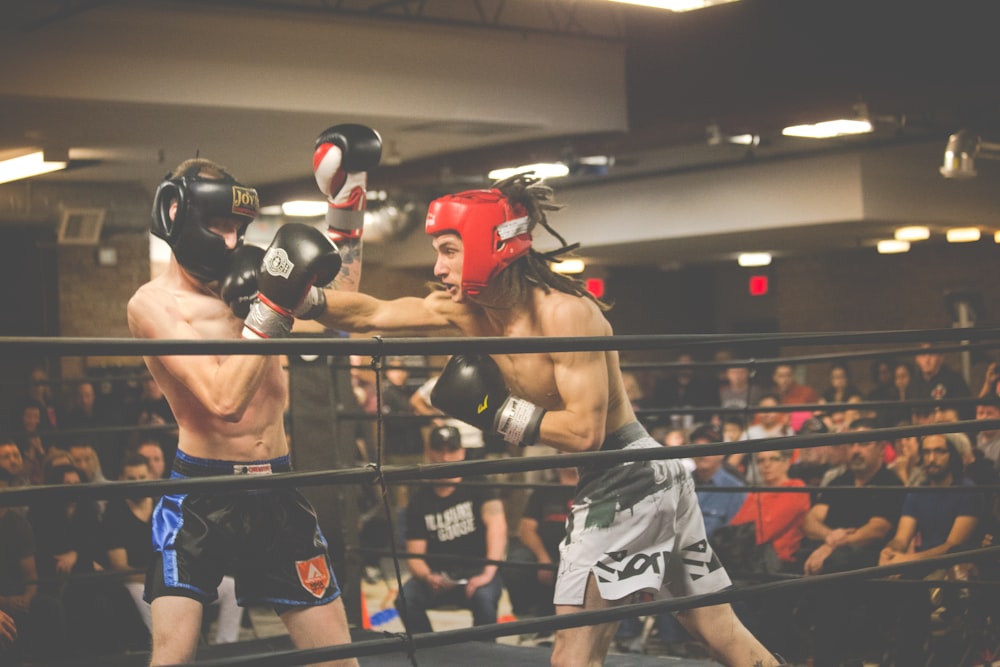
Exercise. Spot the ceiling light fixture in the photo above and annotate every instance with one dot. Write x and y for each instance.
(26, 166)
(963, 235)
(675, 5)
(569, 266)
(304, 208)
(860, 123)
(996, 237)
(754, 259)
(915, 233)
(961, 152)
(541, 170)
(892, 246)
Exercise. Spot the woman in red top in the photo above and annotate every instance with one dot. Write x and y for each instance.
(777, 515)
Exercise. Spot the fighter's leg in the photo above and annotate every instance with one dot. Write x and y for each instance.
(725, 636)
(585, 645)
(176, 628)
(324, 625)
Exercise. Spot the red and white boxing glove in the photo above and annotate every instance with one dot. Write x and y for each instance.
(343, 157)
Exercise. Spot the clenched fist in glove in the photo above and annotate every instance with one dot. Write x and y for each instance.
(472, 389)
(239, 285)
(299, 258)
(343, 157)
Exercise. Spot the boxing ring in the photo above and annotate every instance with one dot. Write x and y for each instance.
(462, 646)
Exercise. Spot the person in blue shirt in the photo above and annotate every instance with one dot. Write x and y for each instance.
(717, 507)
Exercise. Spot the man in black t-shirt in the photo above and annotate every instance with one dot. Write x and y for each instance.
(847, 530)
(540, 531)
(450, 520)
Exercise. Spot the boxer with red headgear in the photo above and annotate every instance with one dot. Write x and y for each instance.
(645, 513)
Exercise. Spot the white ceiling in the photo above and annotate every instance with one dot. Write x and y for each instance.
(455, 87)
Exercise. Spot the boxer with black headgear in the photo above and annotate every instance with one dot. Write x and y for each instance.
(633, 527)
(229, 411)
(187, 204)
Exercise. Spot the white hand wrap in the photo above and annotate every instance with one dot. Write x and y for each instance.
(518, 421)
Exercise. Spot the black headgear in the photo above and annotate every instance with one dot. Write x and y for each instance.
(200, 200)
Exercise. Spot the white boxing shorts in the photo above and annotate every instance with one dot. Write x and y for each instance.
(636, 527)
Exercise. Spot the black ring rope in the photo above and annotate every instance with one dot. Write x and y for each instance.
(589, 617)
(498, 346)
(53, 346)
(104, 490)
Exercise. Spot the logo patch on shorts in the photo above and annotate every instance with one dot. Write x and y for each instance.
(314, 575)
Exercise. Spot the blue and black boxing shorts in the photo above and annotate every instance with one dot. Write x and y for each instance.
(268, 540)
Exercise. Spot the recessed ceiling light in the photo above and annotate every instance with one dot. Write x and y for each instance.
(892, 246)
(569, 266)
(963, 235)
(916, 233)
(675, 5)
(304, 208)
(754, 259)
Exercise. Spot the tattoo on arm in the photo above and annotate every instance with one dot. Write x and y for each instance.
(349, 278)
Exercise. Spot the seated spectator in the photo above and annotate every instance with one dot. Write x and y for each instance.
(734, 430)
(777, 516)
(777, 519)
(930, 525)
(30, 441)
(88, 411)
(907, 463)
(540, 531)
(151, 450)
(813, 462)
(790, 392)
(717, 507)
(739, 392)
(935, 379)
(766, 425)
(445, 519)
(685, 388)
(988, 441)
(85, 460)
(56, 456)
(900, 390)
(12, 461)
(67, 540)
(39, 617)
(840, 387)
(847, 532)
(127, 540)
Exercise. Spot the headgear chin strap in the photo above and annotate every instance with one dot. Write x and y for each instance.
(494, 230)
(201, 200)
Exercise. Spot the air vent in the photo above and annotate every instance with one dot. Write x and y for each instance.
(81, 226)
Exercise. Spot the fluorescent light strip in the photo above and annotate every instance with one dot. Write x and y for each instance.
(963, 235)
(916, 233)
(828, 129)
(675, 5)
(26, 166)
(893, 246)
(541, 170)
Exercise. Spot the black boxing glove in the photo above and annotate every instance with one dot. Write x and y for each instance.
(239, 286)
(471, 388)
(343, 157)
(299, 258)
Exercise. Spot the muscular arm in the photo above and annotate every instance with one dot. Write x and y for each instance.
(875, 529)
(905, 531)
(223, 385)
(349, 277)
(581, 380)
(362, 313)
(496, 534)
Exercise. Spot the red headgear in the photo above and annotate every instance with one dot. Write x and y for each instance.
(494, 232)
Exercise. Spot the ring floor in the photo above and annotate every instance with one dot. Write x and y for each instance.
(264, 633)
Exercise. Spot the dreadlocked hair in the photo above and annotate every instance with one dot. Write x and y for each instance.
(534, 269)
